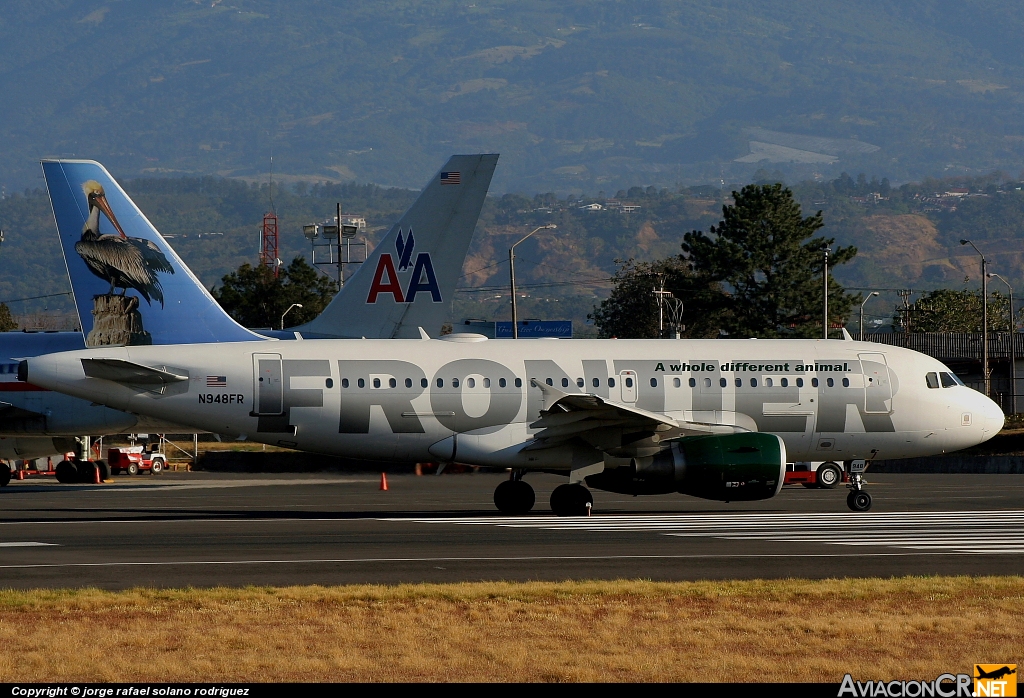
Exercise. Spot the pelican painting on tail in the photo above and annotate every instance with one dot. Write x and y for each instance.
(125, 262)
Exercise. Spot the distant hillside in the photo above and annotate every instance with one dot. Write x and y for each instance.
(577, 96)
(908, 237)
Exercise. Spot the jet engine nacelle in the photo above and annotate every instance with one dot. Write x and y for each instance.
(730, 467)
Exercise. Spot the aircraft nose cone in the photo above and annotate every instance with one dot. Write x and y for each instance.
(992, 418)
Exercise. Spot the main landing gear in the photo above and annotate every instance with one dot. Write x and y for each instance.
(514, 496)
(858, 499)
(571, 500)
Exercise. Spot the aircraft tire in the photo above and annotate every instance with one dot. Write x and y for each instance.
(104, 469)
(66, 472)
(827, 476)
(86, 471)
(858, 500)
(5, 475)
(571, 500)
(514, 497)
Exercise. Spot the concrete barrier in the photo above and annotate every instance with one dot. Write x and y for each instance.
(951, 464)
(291, 462)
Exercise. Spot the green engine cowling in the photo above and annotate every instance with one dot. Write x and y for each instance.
(731, 467)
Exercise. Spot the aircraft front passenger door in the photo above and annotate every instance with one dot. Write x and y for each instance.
(267, 385)
(877, 386)
(627, 381)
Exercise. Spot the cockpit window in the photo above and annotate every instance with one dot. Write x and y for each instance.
(947, 380)
(932, 379)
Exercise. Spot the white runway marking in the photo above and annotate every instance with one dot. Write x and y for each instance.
(224, 485)
(955, 532)
(24, 544)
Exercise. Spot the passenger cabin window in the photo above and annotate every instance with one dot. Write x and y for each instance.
(376, 382)
(565, 382)
(654, 382)
(830, 383)
(932, 379)
(519, 382)
(739, 382)
(502, 382)
(329, 382)
(846, 382)
(799, 382)
(693, 383)
(677, 383)
(549, 381)
(611, 382)
(455, 382)
(707, 382)
(723, 382)
(392, 383)
(597, 382)
(487, 382)
(361, 383)
(408, 382)
(768, 382)
(344, 382)
(580, 382)
(471, 382)
(440, 382)
(629, 382)
(947, 380)
(784, 382)
(424, 382)
(814, 382)
(753, 382)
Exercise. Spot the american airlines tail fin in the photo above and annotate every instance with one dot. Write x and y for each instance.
(129, 285)
(408, 280)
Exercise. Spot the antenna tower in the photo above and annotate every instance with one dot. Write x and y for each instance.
(268, 243)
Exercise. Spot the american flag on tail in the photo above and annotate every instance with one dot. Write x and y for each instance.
(216, 381)
(451, 178)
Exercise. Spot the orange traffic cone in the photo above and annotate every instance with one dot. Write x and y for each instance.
(21, 474)
(383, 482)
(96, 475)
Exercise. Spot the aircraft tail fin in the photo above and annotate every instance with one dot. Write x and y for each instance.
(130, 287)
(408, 280)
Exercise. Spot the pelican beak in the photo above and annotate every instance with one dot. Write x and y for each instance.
(101, 201)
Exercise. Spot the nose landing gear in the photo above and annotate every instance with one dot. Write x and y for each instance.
(514, 496)
(858, 499)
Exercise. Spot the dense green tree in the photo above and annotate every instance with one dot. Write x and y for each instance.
(948, 310)
(256, 298)
(631, 311)
(7, 322)
(759, 269)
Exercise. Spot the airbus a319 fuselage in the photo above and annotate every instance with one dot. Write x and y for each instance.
(581, 406)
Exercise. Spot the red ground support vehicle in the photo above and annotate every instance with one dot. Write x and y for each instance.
(134, 459)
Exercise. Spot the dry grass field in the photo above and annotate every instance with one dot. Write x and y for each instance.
(792, 630)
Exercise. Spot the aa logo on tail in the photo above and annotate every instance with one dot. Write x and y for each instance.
(386, 276)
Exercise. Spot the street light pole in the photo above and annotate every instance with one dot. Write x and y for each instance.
(1013, 348)
(873, 293)
(512, 275)
(984, 314)
(293, 305)
(824, 277)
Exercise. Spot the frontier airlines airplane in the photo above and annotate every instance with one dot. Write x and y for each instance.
(716, 419)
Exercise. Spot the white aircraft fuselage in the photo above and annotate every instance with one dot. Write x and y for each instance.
(474, 400)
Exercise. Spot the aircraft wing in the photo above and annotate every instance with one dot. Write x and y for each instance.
(565, 416)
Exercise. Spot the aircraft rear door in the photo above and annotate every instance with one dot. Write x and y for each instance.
(877, 386)
(267, 385)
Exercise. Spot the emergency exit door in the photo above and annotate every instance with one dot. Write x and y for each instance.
(267, 384)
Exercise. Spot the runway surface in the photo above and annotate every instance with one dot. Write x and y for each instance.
(206, 529)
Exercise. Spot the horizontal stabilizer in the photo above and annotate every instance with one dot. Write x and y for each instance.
(121, 371)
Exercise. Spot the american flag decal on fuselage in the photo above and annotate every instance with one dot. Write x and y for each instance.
(216, 381)
(451, 178)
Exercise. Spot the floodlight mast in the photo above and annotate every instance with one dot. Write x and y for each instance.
(984, 316)
(512, 276)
